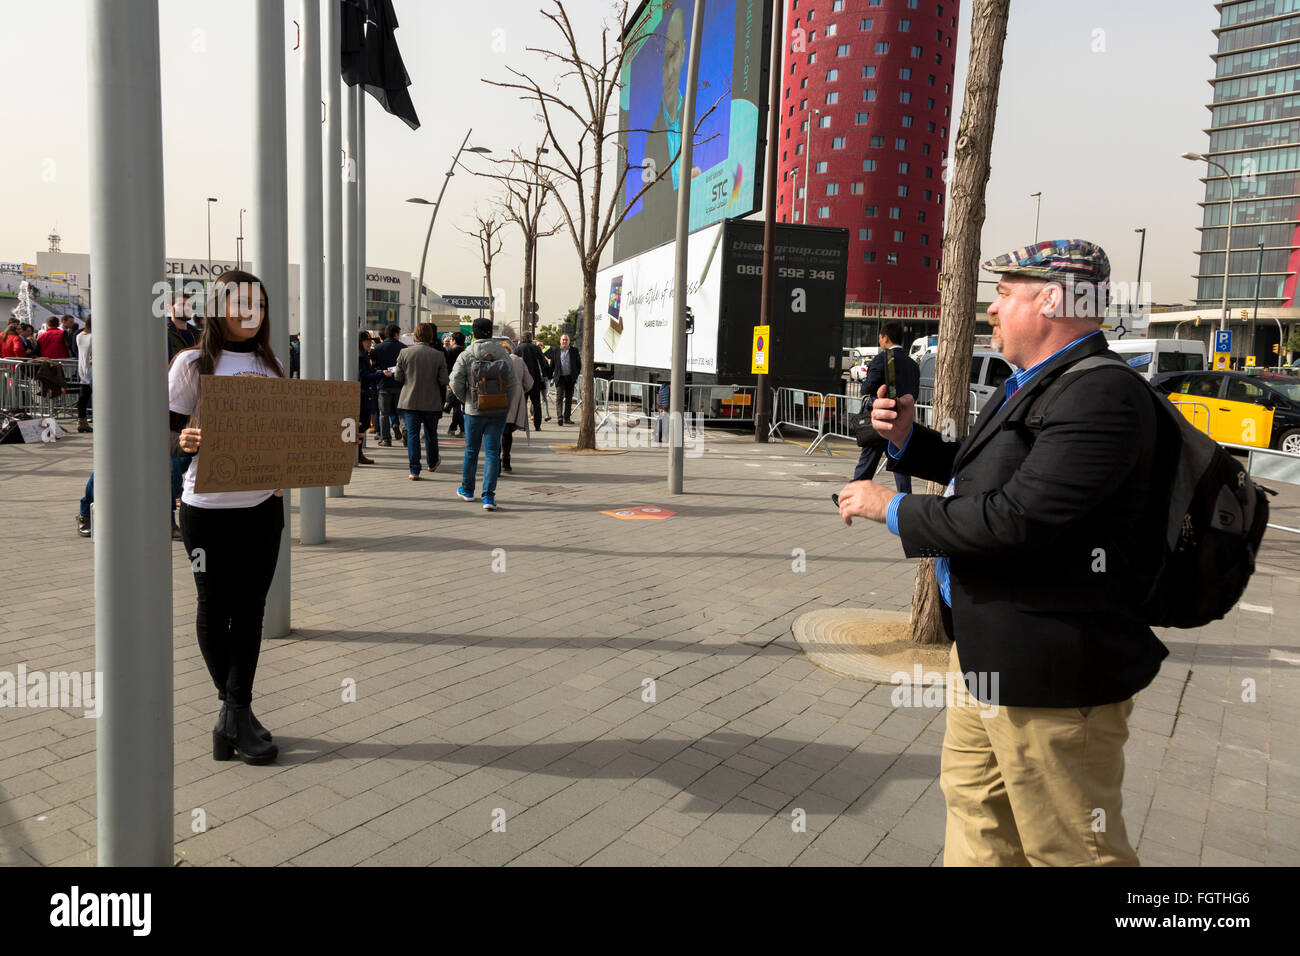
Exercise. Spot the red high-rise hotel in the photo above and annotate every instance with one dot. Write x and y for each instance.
(866, 110)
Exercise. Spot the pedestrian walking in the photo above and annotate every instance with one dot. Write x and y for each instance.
(566, 366)
(370, 379)
(422, 373)
(384, 356)
(1051, 648)
(484, 381)
(517, 417)
(906, 381)
(535, 360)
(232, 538)
(457, 408)
(84, 370)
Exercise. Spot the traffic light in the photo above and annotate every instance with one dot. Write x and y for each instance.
(690, 320)
(1244, 315)
(1275, 351)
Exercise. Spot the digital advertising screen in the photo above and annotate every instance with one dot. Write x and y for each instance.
(726, 168)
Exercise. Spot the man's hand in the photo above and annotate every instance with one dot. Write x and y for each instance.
(189, 440)
(864, 499)
(892, 418)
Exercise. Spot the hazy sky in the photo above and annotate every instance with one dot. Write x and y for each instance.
(1097, 101)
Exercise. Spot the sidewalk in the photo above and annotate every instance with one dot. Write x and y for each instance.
(523, 695)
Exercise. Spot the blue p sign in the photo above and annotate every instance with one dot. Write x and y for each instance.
(1223, 340)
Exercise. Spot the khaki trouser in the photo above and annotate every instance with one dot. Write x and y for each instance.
(1033, 786)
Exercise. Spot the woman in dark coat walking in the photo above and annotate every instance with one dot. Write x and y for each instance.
(369, 379)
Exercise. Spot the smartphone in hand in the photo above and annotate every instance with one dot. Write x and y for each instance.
(836, 499)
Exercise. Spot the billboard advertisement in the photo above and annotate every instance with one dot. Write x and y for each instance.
(635, 328)
(726, 168)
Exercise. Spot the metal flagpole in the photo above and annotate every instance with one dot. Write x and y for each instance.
(271, 235)
(762, 409)
(361, 204)
(311, 318)
(133, 548)
(677, 388)
(331, 51)
(350, 270)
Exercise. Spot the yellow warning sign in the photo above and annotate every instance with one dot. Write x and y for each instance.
(762, 349)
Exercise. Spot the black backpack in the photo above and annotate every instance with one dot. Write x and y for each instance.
(1215, 520)
(487, 382)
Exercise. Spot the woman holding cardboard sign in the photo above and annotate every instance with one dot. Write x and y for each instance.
(232, 538)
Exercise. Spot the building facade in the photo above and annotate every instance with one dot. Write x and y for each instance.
(866, 115)
(1255, 133)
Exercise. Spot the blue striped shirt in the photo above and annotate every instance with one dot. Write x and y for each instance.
(1012, 385)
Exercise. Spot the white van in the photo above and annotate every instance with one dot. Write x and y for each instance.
(926, 343)
(1153, 356)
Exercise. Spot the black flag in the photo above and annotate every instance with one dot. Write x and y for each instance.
(370, 56)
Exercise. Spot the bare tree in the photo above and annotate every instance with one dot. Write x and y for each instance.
(967, 175)
(489, 239)
(578, 172)
(526, 190)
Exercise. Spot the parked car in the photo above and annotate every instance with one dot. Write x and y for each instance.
(1233, 407)
(1152, 357)
(988, 371)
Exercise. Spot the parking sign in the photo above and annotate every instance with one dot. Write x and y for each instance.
(1223, 340)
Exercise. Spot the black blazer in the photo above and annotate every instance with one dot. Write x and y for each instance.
(907, 374)
(575, 361)
(1051, 543)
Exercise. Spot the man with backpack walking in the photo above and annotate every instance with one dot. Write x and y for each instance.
(484, 381)
(1047, 541)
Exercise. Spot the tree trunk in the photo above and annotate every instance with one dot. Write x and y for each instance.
(529, 295)
(492, 303)
(587, 431)
(967, 176)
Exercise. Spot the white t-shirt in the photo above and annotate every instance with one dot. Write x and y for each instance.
(83, 357)
(183, 398)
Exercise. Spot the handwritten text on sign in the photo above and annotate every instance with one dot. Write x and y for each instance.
(267, 433)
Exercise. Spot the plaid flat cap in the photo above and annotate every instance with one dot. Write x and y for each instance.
(1076, 259)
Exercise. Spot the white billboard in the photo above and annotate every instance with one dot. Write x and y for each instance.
(635, 299)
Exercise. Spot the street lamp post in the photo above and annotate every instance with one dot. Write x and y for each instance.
(1137, 295)
(794, 190)
(1227, 247)
(211, 200)
(239, 254)
(1259, 274)
(451, 171)
(1037, 209)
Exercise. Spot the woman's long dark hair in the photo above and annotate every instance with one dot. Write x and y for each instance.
(213, 339)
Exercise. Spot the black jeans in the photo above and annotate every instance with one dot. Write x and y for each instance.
(507, 440)
(234, 553)
(564, 398)
(535, 399)
(83, 401)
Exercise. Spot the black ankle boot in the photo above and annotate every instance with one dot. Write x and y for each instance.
(235, 734)
(252, 719)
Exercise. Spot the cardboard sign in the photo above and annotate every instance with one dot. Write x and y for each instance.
(270, 433)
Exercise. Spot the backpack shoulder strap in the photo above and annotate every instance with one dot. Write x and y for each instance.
(1036, 412)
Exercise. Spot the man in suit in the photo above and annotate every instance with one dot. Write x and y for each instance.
(384, 356)
(537, 367)
(1044, 543)
(566, 366)
(907, 381)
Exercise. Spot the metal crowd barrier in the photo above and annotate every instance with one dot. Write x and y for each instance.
(21, 392)
(828, 416)
(706, 403)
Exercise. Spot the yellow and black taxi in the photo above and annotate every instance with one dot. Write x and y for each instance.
(1237, 408)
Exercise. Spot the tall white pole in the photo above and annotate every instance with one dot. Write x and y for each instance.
(350, 230)
(677, 388)
(361, 205)
(333, 179)
(311, 297)
(133, 548)
(271, 237)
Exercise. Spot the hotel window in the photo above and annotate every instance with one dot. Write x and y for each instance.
(929, 172)
(800, 194)
(929, 103)
(838, 142)
(925, 261)
(830, 30)
(832, 189)
(907, 122)
(871, 212)
(803, 84)
(868, 256)
(822, 166)
(812, 58)
(877, 142)
(798, 149)
(925, 238)
(904, 26)
(868, 72)
(832, 75)
(868, 165)
(837, 6)
(895, 212)
(842, 50)
(928, 195)
(882, 47)
(940, 198)
(869, 96)
(898, 235)
(920, 215)
(904, 96)
(873, 3)
(823, 122)
(913, 4)
(904, 168)
(832, 99)
(905, 73)
(803, 127)
(916, 51)
(812, 35)
(803, 105)
(864, 234)
(929, 127)
(860, 119)
(925, 149)
(932, 79)
(823, 212)
(892, 258)
(856, 189)
(866, 23)
(900, 143)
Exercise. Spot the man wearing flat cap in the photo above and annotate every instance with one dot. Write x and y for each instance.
(1044, 541)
